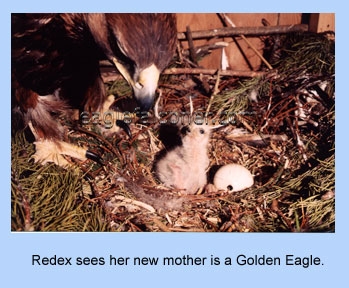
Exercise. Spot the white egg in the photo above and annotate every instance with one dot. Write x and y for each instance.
(233, 178)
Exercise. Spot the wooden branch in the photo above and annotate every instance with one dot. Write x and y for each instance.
(110, 77)
(176, 71)
(246, 137)
(191, 46)
(206, 49)
(247, 31)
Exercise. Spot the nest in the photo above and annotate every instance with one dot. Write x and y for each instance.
(279, 125)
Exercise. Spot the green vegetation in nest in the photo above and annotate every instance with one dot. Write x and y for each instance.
(306, 53)
(49, 198)
(119, 87)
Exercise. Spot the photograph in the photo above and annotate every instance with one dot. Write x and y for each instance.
(173, 122)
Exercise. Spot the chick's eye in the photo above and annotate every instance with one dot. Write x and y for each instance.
(185, 130)
(202, 131)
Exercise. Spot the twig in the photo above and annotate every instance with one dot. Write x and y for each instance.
(215, 92)
(244, 122)
(275, 207)
(239, 136)
(179, 51)
(191, 46)
(247, 31)
(175, 71)
(135, 202)
(161, 225)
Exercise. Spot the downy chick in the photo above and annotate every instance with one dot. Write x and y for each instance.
(185, 166)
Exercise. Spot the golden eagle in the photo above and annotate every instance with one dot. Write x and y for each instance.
(55, 66)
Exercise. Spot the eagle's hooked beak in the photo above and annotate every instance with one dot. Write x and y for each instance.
(144, 87)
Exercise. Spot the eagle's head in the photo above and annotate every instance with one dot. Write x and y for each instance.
(140, 46)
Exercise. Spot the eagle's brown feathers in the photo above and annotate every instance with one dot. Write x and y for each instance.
(55, 62)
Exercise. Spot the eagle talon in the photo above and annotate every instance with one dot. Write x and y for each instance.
(88, 177)
(94, 157)
(125, 127)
